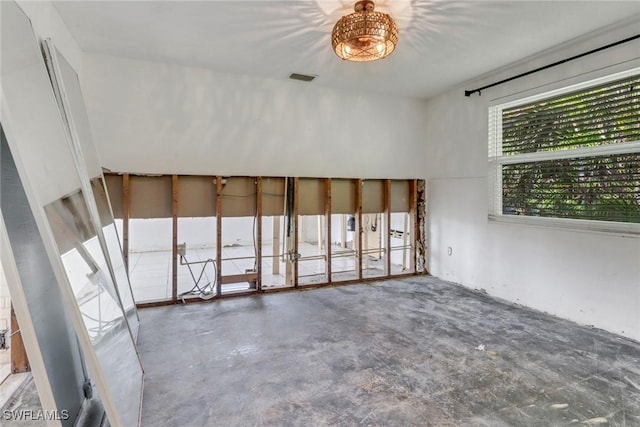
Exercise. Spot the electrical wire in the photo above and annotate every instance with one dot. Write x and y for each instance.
(207, 291)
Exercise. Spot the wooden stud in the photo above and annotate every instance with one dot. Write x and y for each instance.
(387, 227)
(295, 232)
(358, 235)
(19, 360)
(239, 278)
(125, 219)
(288, 265)
(258, 260)
(174, 243)
(327, 227)
(218, 236)
(289, 229)
(413, 218)
(269, 290)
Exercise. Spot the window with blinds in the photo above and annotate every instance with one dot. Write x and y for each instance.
(571, 154)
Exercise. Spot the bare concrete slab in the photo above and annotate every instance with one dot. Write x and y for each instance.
(416, 351)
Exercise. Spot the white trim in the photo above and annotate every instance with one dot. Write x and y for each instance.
(621, 228)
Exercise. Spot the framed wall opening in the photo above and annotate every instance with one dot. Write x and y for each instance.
(345, 239)
(150, 241)
(238, 237)
(273, 262)
(199, 237)
(375, 207)
(312, 237)
(196, 246)
(402, 245)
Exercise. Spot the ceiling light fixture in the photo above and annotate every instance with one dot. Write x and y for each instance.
(365, 35)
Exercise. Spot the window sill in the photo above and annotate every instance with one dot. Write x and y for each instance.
(619, 228)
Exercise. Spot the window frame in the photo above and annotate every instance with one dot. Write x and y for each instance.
(496, 160)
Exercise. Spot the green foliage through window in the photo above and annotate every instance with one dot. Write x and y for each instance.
(596, 186)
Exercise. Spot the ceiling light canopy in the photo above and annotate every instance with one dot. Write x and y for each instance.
(365, 35)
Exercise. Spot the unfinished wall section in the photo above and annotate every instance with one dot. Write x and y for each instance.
(421, 236)
(332, 230)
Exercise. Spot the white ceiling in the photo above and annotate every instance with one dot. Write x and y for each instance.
(442, 43)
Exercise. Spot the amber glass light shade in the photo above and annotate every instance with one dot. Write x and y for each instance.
(365, 35)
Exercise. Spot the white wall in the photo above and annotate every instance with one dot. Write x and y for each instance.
(47, 23)
(152, 117)
(43, 151)
(592, 278)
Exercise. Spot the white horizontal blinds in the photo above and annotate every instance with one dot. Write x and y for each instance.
(239, 196)
(114, 187)
(150, 196)
(603, 188)
(372, 196)
(196, 196)
(399, 195)
(575, 156)
(601, 115)
(311, 196)
(273, 196)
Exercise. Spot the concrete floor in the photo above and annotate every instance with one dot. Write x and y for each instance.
(416, 351)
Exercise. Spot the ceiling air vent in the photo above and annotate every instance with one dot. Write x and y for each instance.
(301, 77)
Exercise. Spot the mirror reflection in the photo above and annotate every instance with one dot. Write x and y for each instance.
(114, 249)
(65, 79)
(95, 293)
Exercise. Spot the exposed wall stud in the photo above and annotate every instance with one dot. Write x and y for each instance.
(19, 360)
(174, 237)
(357, 238)
(295, 232)
(327, 228)
(258, 236)
(218, 236)
(289, 232)
(387, 228)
